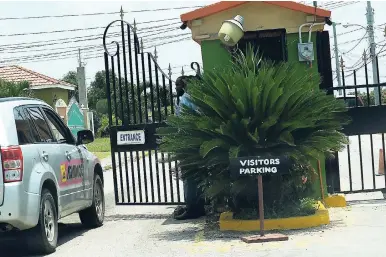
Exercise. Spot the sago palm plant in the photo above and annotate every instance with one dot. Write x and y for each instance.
(249, 108)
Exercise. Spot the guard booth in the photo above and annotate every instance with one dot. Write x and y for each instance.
(280, 30)
(290, 31)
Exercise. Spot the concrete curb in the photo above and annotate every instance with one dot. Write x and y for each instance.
(321, 217)
(337, 200)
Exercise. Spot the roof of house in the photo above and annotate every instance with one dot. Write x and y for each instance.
(16, 73)
(225, 5)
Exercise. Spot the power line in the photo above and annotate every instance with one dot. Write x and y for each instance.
(93, 37)
(344, 4)
(337, 4)
(94, 14)
(381, 50)
(167, 9)
(348, 32)
(174, 41)
(330, 3)
(356, 44)
(360, 60)
(77, 29)
(147, 38)
(354, 40)
(141, 34)
(89, 50)
(368, 60)
(57, 16)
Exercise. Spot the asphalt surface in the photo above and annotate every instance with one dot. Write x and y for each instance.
(357, 230)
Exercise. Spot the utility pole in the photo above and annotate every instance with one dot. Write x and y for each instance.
(82, 90)
(337, 70)
(81, 82)
(370, 30)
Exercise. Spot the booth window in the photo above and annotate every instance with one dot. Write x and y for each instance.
(272, 44)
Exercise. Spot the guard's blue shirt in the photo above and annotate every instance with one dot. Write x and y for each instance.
(185, 100)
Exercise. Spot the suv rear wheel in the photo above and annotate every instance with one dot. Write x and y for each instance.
(44, 237)
(93, 216)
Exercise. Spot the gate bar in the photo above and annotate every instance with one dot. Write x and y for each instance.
(108, 92)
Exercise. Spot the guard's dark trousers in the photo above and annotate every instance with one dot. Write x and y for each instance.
(195, 203)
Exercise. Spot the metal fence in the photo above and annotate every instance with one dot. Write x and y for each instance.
(360, 166)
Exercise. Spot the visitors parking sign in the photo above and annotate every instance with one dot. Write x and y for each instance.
(259, 165)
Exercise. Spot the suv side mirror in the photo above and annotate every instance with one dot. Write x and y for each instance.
(85, 137)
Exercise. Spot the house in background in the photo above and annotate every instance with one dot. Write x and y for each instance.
(43, 87)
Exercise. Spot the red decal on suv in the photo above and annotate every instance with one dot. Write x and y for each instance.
(72, 172)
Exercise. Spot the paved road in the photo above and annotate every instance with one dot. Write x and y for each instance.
(149, 231)
(146, 231)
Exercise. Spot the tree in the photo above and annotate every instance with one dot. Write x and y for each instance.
(101, 107)
(250, 108)
(97, 89)
(71, 77)
(366, 97)
(97, 98)
(14, 89)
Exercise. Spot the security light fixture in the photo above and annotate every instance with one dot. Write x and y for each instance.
(231, 31)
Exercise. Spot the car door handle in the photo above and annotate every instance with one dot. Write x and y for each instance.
(45, 156)
(68, 155)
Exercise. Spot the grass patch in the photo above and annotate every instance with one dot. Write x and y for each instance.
(100, 145)
(101, 148)
(102, 155)
(107, 167)
(303, 207)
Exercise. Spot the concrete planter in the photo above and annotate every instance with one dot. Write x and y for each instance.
(335, 201)
(321, 217)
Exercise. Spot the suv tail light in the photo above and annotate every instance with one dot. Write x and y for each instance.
(12, 163)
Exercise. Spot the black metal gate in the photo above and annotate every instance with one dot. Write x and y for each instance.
(358, 168)
(140, 96)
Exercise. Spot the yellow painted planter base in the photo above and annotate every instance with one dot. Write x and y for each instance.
(321, 217)
(335, 201)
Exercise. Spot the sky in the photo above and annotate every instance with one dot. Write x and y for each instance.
(179, 53)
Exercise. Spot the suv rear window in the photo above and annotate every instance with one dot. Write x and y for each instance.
(41, 124)
(23, 127)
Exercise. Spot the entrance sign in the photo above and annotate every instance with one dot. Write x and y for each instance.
(260, 165)
(135, 137)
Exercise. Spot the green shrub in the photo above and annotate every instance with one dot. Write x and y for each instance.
(253, 108)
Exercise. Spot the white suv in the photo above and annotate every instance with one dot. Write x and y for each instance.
(45, 173)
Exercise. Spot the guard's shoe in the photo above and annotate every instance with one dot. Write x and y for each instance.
(190, 215)
(179, 211)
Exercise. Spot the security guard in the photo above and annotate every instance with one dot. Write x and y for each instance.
(195, 204)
